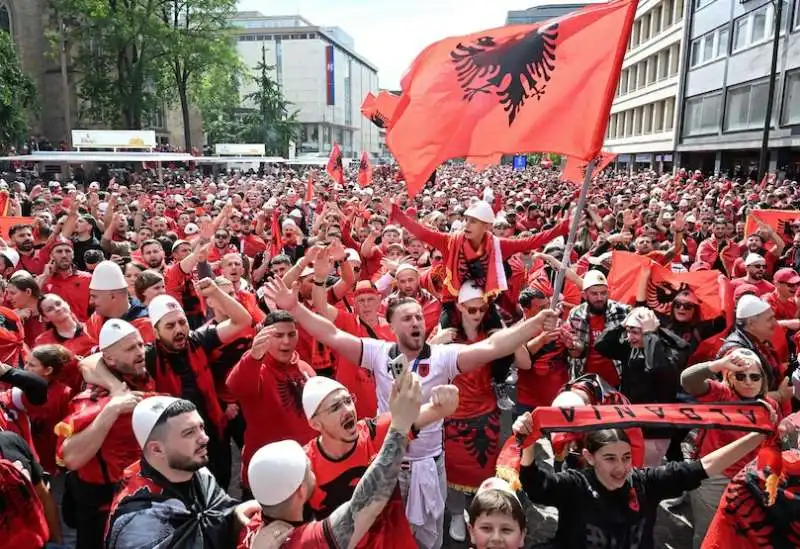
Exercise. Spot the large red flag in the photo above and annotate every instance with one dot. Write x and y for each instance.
(575, 168)
(627, 268)
(335, 168)
(364, 170)
(779, 220)
(368, 105)
(514, 89)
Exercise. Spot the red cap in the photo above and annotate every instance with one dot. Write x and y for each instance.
(743, 290)
(786, 276)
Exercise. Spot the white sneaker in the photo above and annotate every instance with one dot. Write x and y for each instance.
(458, 527)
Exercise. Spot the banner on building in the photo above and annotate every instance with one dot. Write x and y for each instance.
(330, 80)
(113, 139)
(240, 149)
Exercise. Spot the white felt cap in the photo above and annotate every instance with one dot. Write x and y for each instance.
(107, 276)
(469, 291)
(481, 211)
(146, 415)
(191, 229)
(352, 255)
(316, 390)
(112, 331)
(11, 254)
(161, 306)
(594, 278)
(754, 259)
(567, 399)
(276, 471)
(750, 306)
(406, 267)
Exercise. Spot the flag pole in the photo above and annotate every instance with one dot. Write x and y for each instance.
(573, 232)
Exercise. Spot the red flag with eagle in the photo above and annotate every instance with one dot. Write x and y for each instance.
(380, 110)
(575, 168)
(780, 221)
(520, 88)
(335, 168)
(364, 171)
(310, 187)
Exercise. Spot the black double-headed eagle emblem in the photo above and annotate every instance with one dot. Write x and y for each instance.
(660, 296)
(515, 69)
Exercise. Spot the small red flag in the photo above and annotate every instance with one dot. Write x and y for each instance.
(335, 168)
(575, 168)
(5, 202)
(520, 88)
(364, 171)
(276, 244)
(779, 220)
(310, 187)
(380, 110)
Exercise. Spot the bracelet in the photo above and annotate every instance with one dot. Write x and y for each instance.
(320, 284)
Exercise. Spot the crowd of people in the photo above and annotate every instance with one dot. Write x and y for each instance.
(359, 347)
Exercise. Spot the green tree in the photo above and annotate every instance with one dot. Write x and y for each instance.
(197, 42)
(270, 122)
(116, 47)
(17, 95)
(216, 93)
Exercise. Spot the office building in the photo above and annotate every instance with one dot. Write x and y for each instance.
(537, 14)
(641, 128)
(320, 73)
(725, 91)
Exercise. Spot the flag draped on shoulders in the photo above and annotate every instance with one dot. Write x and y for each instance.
(521, 88)
(335, 168)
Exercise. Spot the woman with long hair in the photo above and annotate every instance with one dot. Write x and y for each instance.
(23, 293)
(64, 328)
(148, 284)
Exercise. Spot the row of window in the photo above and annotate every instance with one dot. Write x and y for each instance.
(745, 107)
(655, 117)
(655, 21)
(277, 37)
(648, 71)
(5, 18)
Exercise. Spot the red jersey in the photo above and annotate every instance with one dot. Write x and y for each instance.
(33, 328)
(763, 286)
(336, 480)
(38, 260)
(312, 535)
(595, 362)
(358, 380)
(539, 385)
(784, 310)
(72, 288)
(137, 316)
(267, 385)
(44, 419)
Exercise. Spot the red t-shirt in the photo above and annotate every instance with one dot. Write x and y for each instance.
(763, 286)
(714, 439)
(539, 385)
(263, 388)
(475, 394)
(336, 480)
(784, 310)
(595, 362)
(73, 289)
(44, 419)
(312, 535)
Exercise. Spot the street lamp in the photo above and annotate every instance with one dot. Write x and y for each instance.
(763, 157)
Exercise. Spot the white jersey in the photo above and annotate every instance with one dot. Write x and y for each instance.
(436, 365)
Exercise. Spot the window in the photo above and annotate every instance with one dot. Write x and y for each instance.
(658, 116)
(701, 4)
(655, 17)
(669, 8)
(791, 99)
(641, 76)
(701, 114)
(669, 114)
(709, 47)
(663, 64)
(647, 119)
(652, 62)
(755, 26)
(746, 106)
(796, 15)
(5, 18)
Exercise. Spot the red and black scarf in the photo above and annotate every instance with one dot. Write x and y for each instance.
(22, 520)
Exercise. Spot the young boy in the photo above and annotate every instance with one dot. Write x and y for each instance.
(496, 517)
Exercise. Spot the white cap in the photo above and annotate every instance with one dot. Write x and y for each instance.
(108, 276)
(309, 270)
(568, 399)
(146, 415)
(351, 255)
(406, 267)
(754, 259)
(750, 306)
(191, 229)
(594, 278)
(161, 306)
(296, 213)
(469, 291)
(276, 471)
(315, 391)
(178, 243)
(11, 254)
(481, 211)
(637, 315)
(112, 331)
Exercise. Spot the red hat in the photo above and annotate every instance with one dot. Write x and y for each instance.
(786, 276)
(744, 289)
(366, 287)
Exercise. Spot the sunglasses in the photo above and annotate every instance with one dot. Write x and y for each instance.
(739, 376)
(475, 310)
(437, 258)
(685, 305)
(221, 236)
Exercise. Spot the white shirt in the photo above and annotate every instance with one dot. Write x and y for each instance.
(438, 369)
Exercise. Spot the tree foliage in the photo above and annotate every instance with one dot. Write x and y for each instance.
(17, 95)
(270, 120)
(216, 93)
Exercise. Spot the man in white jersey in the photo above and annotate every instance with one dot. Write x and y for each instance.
(422, 483)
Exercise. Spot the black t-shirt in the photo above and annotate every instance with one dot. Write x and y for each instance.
(592, 517)
(14, 448)
(80, 247)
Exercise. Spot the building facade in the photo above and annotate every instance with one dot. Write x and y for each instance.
(537, 14)
(642, 125)
(726, 87)
(320, 73)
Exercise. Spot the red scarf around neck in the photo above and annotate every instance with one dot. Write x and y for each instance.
(459, 249)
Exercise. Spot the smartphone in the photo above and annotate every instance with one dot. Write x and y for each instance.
(398, 365)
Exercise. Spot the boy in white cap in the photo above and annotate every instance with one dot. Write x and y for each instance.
(436, 365)
(283, 482)
(165, 493)
(588, 321)
(345, 447)
(108, 294)
(95, 440)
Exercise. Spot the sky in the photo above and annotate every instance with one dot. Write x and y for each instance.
(390, 33)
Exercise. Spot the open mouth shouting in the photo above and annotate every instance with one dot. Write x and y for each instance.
(349, 423)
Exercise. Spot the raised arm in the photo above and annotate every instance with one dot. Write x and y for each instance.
(717, 461)
(694, 379)
(319, 328)
(505, 342)
(428, 236)
(238, 318)
(511, 246)
(319, 293)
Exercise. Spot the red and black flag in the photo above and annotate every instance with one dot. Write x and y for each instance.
(335, 168)
(520, 88)
(310, 187)
(780, 220)
(380, 110)
(364, 171)
(575, 168)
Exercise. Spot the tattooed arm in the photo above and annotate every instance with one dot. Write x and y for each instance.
(352, 520)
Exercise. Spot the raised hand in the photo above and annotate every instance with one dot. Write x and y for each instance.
(261, 342)
(405, 401)
(546, 320)
(445, 399)
(277, 292)
(206, 287)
